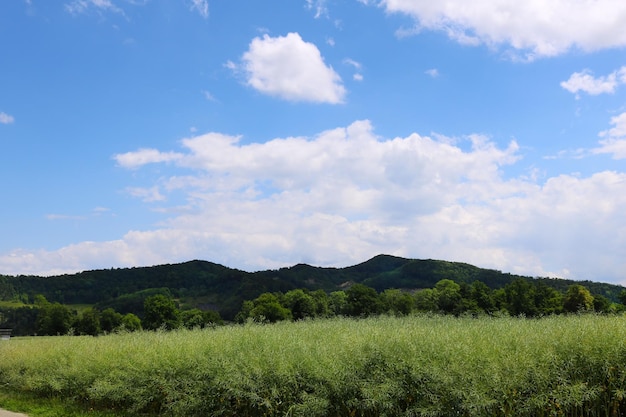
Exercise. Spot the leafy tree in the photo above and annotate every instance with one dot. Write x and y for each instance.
(338, 303)
(110, 320)
(426, 300)
(601, 304)
(192, 318)
(363, 301)
(448, 294)
(244, 312)
(88, 323)
(196, 318)
(267, 308)
(547, 299)
(481, 294)
(577, 298)
(520, 297)
(322, 308)
(301, 304)
(160, 311)
(397, 302)
(54, 319)
(130, 322)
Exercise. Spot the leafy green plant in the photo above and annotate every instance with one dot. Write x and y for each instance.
(426, 365)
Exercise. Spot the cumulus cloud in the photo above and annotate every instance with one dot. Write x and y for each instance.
(347, 194)
(586, 82)
(532, 28)
(6, 119)
(292, 69)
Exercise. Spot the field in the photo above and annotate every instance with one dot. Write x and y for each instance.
(413, 366)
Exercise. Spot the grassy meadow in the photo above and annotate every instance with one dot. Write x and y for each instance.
(384, 366)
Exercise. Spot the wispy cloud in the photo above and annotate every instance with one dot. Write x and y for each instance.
(614, 139)
(6, 119)
(78, 7)
(433, 72)
(357, 76)
(319, 6)
(144, 156)
(201, 7)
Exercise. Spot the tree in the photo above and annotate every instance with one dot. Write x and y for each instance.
(54, 319)
(448, 295)
(301, 304)
(267, 308)
(520, 297)
(322, 308)
(88, 323)
(338, 303)
(192, 318)
(160, 311)
(577, 299)
(196, 318)
(426, 300)
(363, 301)
(601, 304)
(110, 320)
(480, 293)
(397, 302)
(547, 299)
(130, 322)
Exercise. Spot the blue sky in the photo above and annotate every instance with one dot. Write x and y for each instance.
(263, 134)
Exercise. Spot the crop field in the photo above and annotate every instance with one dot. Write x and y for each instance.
(385, 366)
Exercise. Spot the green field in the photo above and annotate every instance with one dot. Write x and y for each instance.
(413, 366)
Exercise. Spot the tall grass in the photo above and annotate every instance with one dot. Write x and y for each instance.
(414, 366)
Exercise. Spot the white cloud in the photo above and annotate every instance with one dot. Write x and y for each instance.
(532, 28)
(144, 156)
(433, 72)
(357, 76)
(319, 6)
(614, 141)
(6, 119)
(200, 6)
(77, 7)
(292, 69)
(347, 194)
(585, 81)
(207, 95)
(149, 195)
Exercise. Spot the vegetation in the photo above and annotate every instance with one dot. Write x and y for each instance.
(418, 365)
(208, 286)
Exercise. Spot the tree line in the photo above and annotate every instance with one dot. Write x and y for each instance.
(46, 318)
(521, 297)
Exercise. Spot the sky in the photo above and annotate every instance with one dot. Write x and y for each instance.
(262, 134)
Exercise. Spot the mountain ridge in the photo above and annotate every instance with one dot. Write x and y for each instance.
(205, 283)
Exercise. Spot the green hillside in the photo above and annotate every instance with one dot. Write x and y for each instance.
(211, 286)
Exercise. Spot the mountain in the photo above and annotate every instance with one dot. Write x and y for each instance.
(213, 286)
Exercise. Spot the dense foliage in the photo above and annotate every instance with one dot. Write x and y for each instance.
(411, 366)
(521, 297)
(209, 286)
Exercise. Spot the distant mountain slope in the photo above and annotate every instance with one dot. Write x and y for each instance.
(216, 286)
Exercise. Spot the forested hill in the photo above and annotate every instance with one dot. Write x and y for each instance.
(224, 289)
